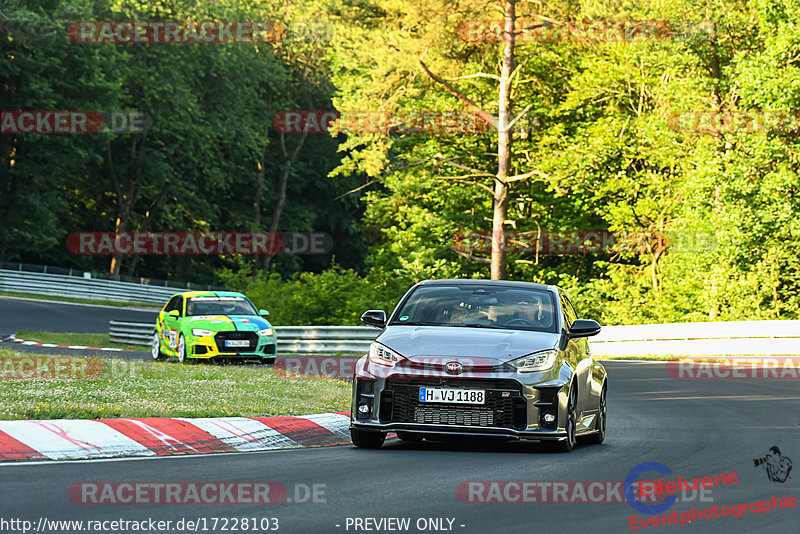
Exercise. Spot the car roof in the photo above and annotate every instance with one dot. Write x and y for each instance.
(190, 294)
(473, 281)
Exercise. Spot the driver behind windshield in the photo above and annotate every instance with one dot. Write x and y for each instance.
(532, 312)
(458, 314)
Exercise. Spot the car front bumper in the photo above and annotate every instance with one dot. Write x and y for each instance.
(515, 407)
(206, 348)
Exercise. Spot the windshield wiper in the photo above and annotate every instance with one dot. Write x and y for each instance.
(413, 323)
(478, 325)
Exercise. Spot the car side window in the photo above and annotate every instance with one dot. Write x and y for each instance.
(172, 304)
(565, 312)
(179, 306)
(570, 310)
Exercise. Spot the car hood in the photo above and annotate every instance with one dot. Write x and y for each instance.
(420, 343)
(226, 323)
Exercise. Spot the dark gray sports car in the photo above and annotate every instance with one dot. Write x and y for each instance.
(480, 358)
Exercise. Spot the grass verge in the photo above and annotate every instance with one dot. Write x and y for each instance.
(123, 388)
(710, 358)
(648, 357)
(78, 300)
(84, 339)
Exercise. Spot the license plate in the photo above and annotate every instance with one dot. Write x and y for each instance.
(452, 395)
(237, 343)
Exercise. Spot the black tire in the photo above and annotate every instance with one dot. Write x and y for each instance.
(572, 421)
(156, 349)
(409, 436)
(600, 426)
(367, 439)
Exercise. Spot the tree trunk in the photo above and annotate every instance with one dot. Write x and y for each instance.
(125, 201)
(500, 201)
(259, 193)
(283, 182)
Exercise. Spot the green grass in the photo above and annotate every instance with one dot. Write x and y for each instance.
(648, 357)
(86, 340)
(80, 300)
(125, 388)
(743, 358)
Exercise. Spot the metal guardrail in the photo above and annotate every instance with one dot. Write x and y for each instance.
(720, 338)
(686, 339)
(291, 339)
(69, 271)
(75, 286)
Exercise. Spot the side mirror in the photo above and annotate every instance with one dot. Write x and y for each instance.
(263, 313)
(374, 318)
(174, 314)
(584, 328)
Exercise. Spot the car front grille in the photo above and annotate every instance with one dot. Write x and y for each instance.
(221, 337)
(453, 415)
(505, 407)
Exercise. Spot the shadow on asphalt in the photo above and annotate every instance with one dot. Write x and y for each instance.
(459, 444)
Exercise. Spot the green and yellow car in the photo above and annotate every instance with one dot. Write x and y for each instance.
(213, 325)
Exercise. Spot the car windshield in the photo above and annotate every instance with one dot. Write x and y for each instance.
(479, 306)
(219, 306)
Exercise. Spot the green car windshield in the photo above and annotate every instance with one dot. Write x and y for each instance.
(219, 306)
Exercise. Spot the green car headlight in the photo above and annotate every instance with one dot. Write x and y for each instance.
(200, 332)
(265, 332)
(536, 362)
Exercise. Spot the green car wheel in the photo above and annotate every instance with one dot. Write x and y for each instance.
(156, 348)
(182, 349)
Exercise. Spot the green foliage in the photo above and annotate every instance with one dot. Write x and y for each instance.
(333, 297)
(600, 132)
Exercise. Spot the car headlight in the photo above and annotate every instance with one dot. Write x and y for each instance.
(536, 362)
(200, 332)
(383, 356)
(265, 332)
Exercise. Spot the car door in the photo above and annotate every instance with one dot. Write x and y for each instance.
(161, 320)
(173, 323)
(579, 350)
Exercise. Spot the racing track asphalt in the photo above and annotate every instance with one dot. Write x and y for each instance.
(695, 427)
(51, 316)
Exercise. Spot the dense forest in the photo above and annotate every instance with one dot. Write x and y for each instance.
(672, 121)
